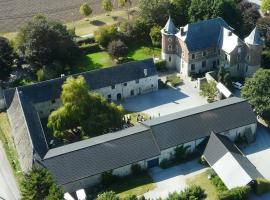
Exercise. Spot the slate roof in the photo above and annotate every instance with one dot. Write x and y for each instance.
(107, 152)
(170, 27)
(51, 89)
(188, 125)
(203, 34)
(254, 38)
(228, 161)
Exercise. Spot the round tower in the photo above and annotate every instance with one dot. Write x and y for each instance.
(168, 43)
(253, 54)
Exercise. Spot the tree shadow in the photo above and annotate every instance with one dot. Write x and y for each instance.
(97, 23)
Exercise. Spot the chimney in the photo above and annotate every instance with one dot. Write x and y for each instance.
(145, 72)
(182, 31)
(229, 33)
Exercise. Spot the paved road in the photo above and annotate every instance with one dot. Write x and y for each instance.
(172, 179)
(8, 187)
(166, 101)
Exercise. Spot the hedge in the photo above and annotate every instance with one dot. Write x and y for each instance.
(161, 65)
(262, 186)
(238, 193)
(90, 48)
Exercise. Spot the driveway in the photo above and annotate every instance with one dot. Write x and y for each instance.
(166, 101)
(172, 179)
(259, 151)
(8, 187)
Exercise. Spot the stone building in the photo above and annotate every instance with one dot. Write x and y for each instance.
(205, 45)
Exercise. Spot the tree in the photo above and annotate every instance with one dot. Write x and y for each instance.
(83, 113)
(224, 77)
(107, 5)
(266, 58)
(155, 35)
(265, 6)
(85, 10)
(39, 184)
(6, 57)
(179, 11)
(108, 196)
(41, 41)
(264, 26)
(209, 90)
(257, 91)
(154, 12)
(117, 49)
(105, 34)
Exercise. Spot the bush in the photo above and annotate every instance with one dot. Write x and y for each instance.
(161, 65)
(262, 186)
(136, 169)
(174, 80)
(131, 197)
(117, 49)
(105, 34)
(155, 35)
(216, 181)
(238, 193)
(107, 196)
(181, 152)
(107, 178)
(90, 48)
(173, 196)
(166, 163)
(193, 192)
(84, 40)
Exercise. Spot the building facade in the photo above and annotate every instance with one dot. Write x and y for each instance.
(204, 46)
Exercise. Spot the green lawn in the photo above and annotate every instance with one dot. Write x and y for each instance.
(202, 181)
(141, 52)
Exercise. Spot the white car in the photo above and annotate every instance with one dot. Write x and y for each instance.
(237, 85)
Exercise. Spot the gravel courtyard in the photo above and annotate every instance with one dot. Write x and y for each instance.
(166, 101)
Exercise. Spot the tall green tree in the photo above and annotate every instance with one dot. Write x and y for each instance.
(265, 6)
(83, 113)
(179, 11)
(6, 56)
(209, 90)
(39, 184)
(105, 34)
(155, 35)
(263, 24)
(85, 10)
(42, 41)
(107, 5)
(257, 91)
(224, 77)
(154, 12)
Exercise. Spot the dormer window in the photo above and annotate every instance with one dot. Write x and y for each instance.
(170, 47)
(193, 56)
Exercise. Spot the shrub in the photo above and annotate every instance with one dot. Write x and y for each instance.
(85, 10)
(155, 35)
(210, 172)
(131, 197)
(173, 196)
(107, 196)
(216, 181)
(136, 169)
(181, 152)
(105, 34)
(166, 163)
(161, 65)
(238, 193)
(117, 49)
(90, 48)
(174, 80)
(107, 178)
(262, 186)
(193, 192)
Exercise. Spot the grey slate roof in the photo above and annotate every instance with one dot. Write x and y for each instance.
(254, 38)
(170, 27)
(100, 154)
(218, 145)
(188, 125)
(204, 34)
(51, 89)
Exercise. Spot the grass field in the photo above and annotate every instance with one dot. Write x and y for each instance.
(140, 52)
(202, 181)
(6, 138)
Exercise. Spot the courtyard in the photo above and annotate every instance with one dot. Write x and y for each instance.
(166, 101)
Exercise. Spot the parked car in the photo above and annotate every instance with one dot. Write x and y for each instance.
(237, 85)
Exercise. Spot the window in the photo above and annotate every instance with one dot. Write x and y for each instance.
(238, 67)
(204, 53)
(132, 93)
(203, 64)
(219, 52)
(113, 86)
(238, 57)
(193, 56)
(170, 59)
(169, 39)
(248, 57)
(53, 100)
(109, 96)
(170, 47)
(226, 57)
(125, 84)
(192, 67)
(137, 81)
(246, 68)
(218, 62)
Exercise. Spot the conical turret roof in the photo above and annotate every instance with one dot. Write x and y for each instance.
(254, 38)
(170, 27)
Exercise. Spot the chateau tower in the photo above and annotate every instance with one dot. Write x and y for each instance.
(254, 48)
(169, 43)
